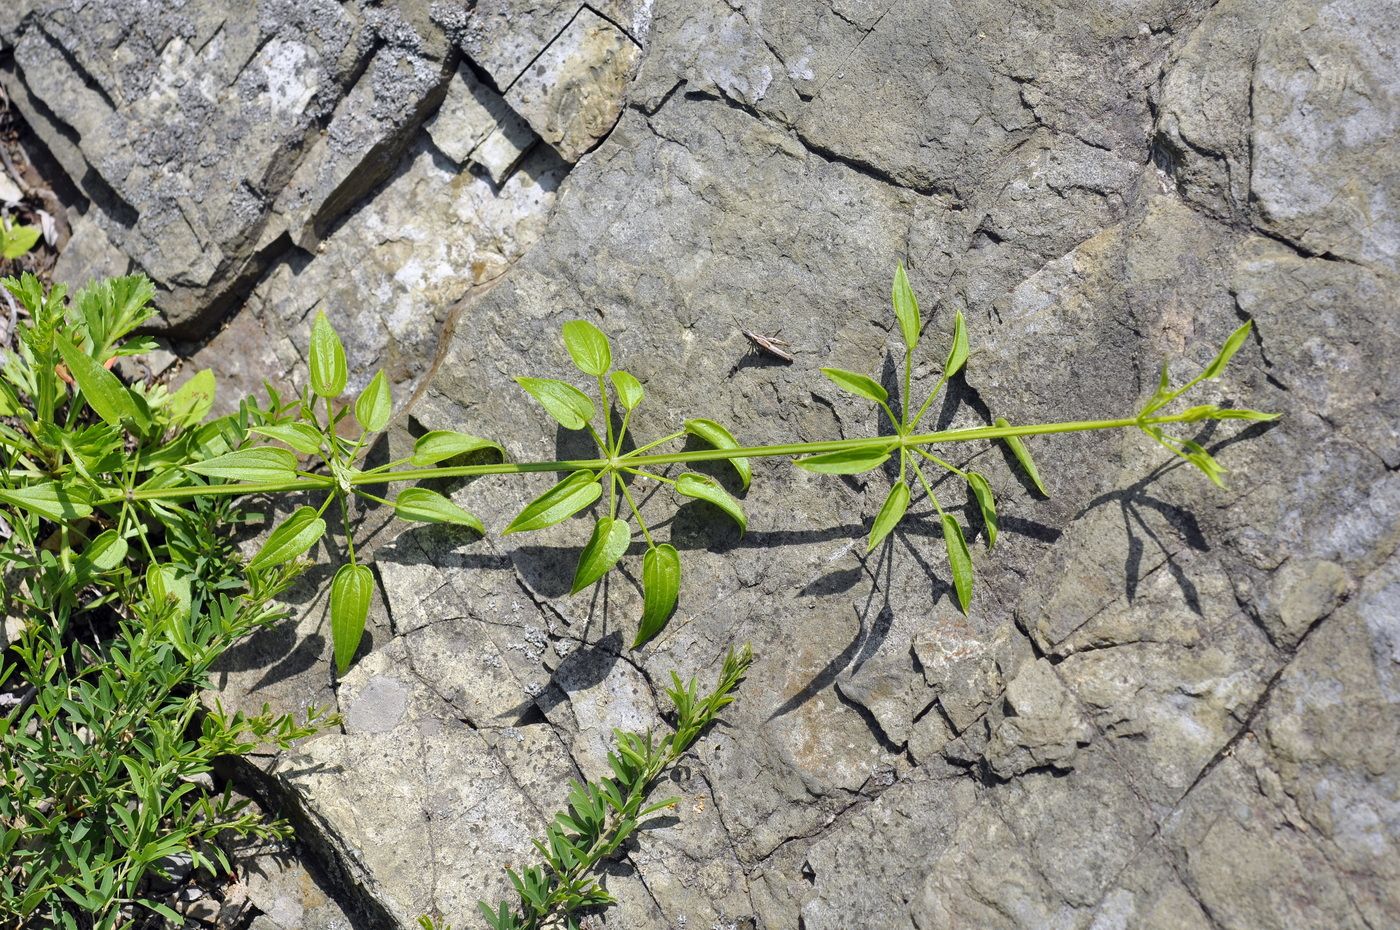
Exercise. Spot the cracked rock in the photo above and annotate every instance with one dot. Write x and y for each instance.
(1037, 725)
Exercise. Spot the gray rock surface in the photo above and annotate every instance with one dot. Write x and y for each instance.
(1170, 705)
(220, 149)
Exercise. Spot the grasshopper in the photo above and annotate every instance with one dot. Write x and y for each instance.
(769, 345)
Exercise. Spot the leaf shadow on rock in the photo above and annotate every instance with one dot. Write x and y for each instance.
(586, 667)
(1137, 504)
(873, 622)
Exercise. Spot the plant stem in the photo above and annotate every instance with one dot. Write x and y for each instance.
(637, 512)
(636, 460)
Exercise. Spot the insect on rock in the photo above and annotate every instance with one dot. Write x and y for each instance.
(769, 345)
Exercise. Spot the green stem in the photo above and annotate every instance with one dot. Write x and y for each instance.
(607, 415)
(942, 464)
(646, 474)
(637, 512)
(918, 417)
(597, 440)
(622, 434)
(373, 497)
(928, 489)
(637, 460)
(908, 377)
(652, 445)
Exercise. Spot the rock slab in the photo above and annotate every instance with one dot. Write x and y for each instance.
(1169, 706)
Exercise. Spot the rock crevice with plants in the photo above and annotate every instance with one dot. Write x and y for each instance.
(1165, 704)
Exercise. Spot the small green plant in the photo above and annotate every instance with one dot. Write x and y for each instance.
(123, 607)
(311, 428)
(16, 238)
(602, 815)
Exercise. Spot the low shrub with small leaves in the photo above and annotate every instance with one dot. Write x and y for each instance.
(117, 609)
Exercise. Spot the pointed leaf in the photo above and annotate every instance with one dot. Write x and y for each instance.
(891, 512)
(327, 358)
(588, 347)
(845, 462)
(720, 438)
(661, 585)
(298, 533)
(857, 384)
(629, 390)
(1161, 396)
(302, 437)
(1236, 413)
(560, 502)
(1231, 346)
(262, 464)
(959, 560)
(957, 353)
(986, 502)
(1196, 454)
(443, 444)
(1023, 456)
(906, 308)
(424, 506)
(610, 540)
(351, 590)
(375, 404)
(104, 393)
(192, 401)
(49, 501)
(566, 403)
(705, 488)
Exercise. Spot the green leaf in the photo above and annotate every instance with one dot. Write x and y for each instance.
(1236, 413)
(49, 501)
(566, 403)
(609, 541)
(629, 390)
(17, 239)
(105, 394)
(720, 438)
(1231, 346)
(192, 401)
(298, 533)
(1161, 396)
(857, 384)
(443, 444)
(661, 586)
(891, 512)
(302, 437)
(327, 357)
(375, 404)
(957, 353)
(1196, 454)
(845, 462)
(1023, 456)
(588, 347)
(568, 497)
(959, 560)
(705, 488)
(262, 464)
(351, 590)
(424, 506)
(106, 551)
(906, 308)
(168, 581)
(986, 502)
